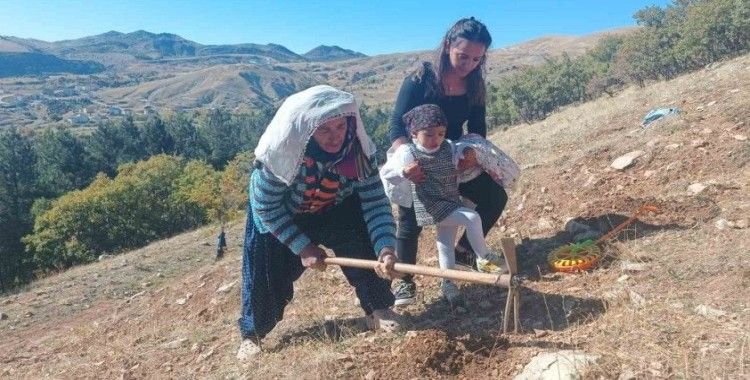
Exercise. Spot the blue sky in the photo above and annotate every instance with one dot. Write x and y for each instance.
(371, 27)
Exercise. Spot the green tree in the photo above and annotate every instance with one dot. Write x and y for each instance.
(61, 162)
(17, 192)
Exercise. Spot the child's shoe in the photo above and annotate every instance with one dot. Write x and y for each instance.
(492, 263)
(452, 295)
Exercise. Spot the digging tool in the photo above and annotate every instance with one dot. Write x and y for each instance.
(510, 280)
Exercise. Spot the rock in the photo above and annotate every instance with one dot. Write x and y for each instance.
(540, 333)
(629, 266)
(741, 223)
(626, 160)
(103, 257)
(671, 146)
(146, 284)
(636, 299)
(698, 143)
(177, 343)
(181, 301)
(649, 173)
(565, 364)
(708, 311)
(3, 316)
(544, 224)
(206, 243)
(696, 188)
(6, 302)
(740, 137)
(627, 373)
(709, 104)
(548, 208)
(226, 288)
(623, 278)
(721, 223)
(371, 375)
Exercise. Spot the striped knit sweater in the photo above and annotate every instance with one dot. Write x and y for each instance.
(274, 205)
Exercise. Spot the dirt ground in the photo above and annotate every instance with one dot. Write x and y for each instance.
(669, 300)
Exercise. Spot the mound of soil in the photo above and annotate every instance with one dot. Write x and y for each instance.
(433, 353)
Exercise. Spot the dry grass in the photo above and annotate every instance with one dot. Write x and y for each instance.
(119, 317)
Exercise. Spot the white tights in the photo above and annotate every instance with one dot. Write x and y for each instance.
(446, 235)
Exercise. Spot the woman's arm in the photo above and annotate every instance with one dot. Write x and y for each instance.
(477, 122)
(267, 194)
(376, 210)
(410, 95)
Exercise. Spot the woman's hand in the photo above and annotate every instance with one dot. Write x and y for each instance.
(386, 262)
(312, 257)
(413, 172)
(469, 161)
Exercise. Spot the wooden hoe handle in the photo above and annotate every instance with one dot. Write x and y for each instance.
(502, 280)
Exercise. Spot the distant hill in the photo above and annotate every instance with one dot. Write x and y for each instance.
(331, 53)
(228, 86)
(20, 64)
(143, 45)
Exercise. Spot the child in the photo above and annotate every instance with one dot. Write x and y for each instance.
(436, 198)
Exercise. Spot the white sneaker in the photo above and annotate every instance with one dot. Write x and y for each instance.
(386, 320)
(248, 349)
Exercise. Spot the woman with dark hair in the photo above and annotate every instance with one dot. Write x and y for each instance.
(455, 82)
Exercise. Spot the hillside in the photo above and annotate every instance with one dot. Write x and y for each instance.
(669, 301)
(331, 53)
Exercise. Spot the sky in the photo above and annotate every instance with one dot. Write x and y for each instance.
(370, 27)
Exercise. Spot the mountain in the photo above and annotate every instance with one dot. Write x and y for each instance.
(143, 45)
(21, 64)
(331, 53)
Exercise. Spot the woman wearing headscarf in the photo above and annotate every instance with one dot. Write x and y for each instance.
(315, 183)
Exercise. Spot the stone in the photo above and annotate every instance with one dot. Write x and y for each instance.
(540, 333)
(626, 160)
(544, 224)
(3, 316)
(177, 343)
(226, 288)
(566, 364)
(740, 137)
(709, 312)
(103, 257)
(698, 143)
(741, 223)
(629, 266)
(623, 278)
(181, 301)
(636, 299)
(671, 146)
(696, 188)
(721, 223)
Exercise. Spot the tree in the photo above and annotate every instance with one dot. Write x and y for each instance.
(113, 144)
(156, 139)
(17, 192)
(61, 163)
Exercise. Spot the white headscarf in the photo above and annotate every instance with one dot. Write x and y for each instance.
(282, 146)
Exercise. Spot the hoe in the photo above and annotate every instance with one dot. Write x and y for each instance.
(510, 280)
